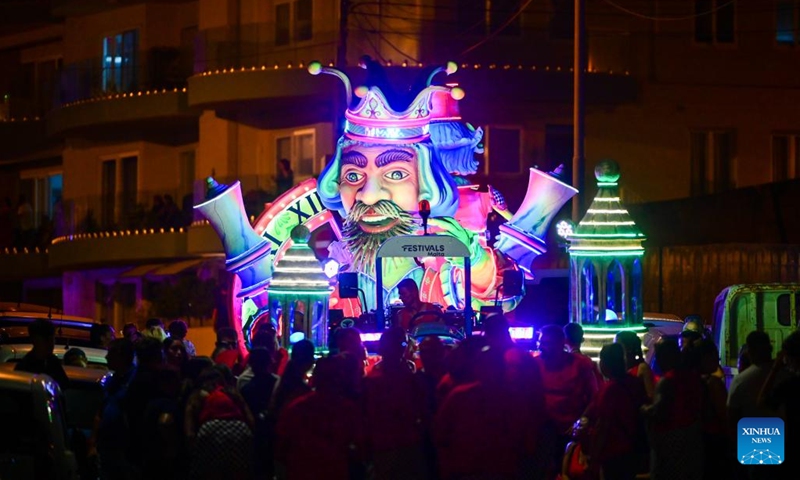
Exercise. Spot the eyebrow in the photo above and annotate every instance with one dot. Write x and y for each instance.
(354, 158)
(391, 156)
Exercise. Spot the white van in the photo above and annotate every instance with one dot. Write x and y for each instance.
(741, 309)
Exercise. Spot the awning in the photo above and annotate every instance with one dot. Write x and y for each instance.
(162, 269)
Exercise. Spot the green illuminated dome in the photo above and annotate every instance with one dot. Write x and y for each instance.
(607, 171)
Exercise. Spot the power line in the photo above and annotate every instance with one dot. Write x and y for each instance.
(494, 33)
(668, 19)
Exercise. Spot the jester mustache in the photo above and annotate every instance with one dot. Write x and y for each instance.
(368, 226)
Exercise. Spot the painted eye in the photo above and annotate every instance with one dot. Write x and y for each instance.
(353, 177)
(396, 175)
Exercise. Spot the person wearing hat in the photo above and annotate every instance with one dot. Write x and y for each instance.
(692, 332)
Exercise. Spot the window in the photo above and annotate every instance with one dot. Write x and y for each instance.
(119, 190)
(504, 150)
(504, 14)
(615, 295)
(480, 17)
(787, 19)
(302, 20)
(283, 26)
(299, 148)
(590, 301)
(43, 189)
(785, 157)
(784, 309)
(714, 21)
(712, 160)
(294, 21)
(120, 62)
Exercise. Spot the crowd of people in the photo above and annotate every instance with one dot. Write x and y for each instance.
(485, 409)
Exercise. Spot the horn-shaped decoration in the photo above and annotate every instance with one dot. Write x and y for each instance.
(523, 237)
(315, 68)
(246, 252)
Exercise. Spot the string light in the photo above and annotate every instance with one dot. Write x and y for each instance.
(120, 233)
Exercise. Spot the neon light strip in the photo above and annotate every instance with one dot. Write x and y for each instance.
(606, 199)
(606, 184)
(370, 337)
(606, 336)
(280, 269)
(607, 249)
(593, 222)
(606, 254)
(281, 291)
(639, 328)
(606, 211)
(298, 258)
(278, 282)
(607, 235)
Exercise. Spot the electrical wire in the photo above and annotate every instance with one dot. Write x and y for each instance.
(668, 19)
(389, 43)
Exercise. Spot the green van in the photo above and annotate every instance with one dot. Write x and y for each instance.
(740, 309)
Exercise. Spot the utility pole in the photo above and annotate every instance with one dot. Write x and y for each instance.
(578, 110)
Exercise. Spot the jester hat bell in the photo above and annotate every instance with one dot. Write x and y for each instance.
(375, 119)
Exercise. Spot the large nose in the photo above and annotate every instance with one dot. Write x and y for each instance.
(372, 191)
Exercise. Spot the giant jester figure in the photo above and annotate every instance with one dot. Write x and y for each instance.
(393, 155)
(397, 151)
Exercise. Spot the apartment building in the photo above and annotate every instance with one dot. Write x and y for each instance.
(116, 112)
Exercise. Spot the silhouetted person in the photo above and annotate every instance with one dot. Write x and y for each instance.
(131, 332)
(285, 178)
(75, 357)
(41, 358)
(113, 428)
(178, 330)
(320, 434)
(676, 439)
(293, 383)
(634, 360)
(396, 415)
(101, 334)
(569, 385)
(477, 429)
(616, 425)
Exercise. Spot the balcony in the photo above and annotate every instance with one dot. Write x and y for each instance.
(144, 100)
(138, 227)
(245, 76)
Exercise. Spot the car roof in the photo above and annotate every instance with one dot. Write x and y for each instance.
(660, 317)
(24, 381)
(78, 374)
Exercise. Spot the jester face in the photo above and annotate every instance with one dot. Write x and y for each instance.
(379, 186)
(373, 174)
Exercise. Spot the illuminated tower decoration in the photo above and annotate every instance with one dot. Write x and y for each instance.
(299, 292)
(605, 252)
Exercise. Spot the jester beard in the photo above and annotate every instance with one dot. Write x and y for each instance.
(368, 226)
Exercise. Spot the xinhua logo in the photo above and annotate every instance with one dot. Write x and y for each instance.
(760, 441)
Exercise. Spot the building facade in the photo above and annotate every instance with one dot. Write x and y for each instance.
(114, 114)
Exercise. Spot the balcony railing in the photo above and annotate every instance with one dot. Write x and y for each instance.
(255, 45)
(154, 69)
(141, 211)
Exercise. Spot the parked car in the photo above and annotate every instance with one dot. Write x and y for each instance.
(71, 331)
(81, 401)
(34, 443)
(13, 352)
